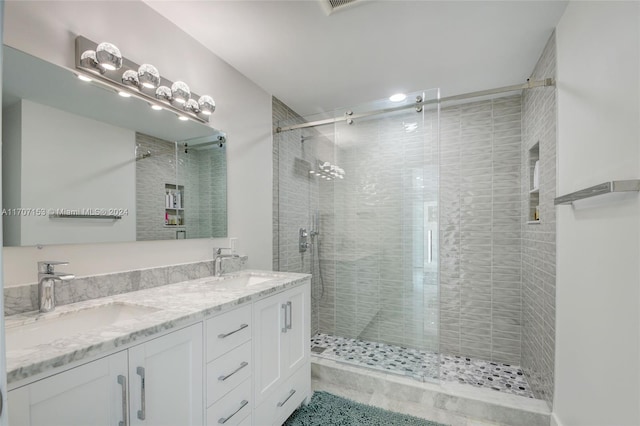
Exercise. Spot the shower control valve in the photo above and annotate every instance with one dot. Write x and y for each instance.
(303, 240)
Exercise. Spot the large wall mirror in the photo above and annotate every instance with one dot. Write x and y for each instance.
(81, 164)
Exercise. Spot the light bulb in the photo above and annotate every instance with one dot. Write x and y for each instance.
(180, 92)
(149, 76)
(108, 56)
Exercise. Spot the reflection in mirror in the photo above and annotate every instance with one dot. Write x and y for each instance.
(187, 201)
(75, 149)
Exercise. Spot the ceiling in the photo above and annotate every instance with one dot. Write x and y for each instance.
(316, 62)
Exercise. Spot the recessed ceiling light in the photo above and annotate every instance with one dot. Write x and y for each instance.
(124, 94)
(183, 118)
(156, 107)
(84, 77)
(398, 97)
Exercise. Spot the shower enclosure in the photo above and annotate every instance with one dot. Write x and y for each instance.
(356, 205)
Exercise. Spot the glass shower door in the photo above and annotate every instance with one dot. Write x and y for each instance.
(386, 234)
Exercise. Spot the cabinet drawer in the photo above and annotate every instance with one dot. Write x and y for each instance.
(234, 406)
(228, 331)
(228, 371)
(285, 399)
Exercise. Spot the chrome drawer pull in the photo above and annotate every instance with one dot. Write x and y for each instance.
(223, 420)
(243, 364)
(280, 404)
(142, 414)
(290, 316)
(125, 416)
(242, 327)
(284, 318)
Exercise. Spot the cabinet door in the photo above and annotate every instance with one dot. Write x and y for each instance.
(166, 379)
(91, 394)
(297, 339)
(268, 322)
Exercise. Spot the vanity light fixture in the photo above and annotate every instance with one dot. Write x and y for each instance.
(207, 104)
(163, 93)
(192, 105)
(148, 76)
(130, 78)
(108, 56)
(104, 64)
(180, 92)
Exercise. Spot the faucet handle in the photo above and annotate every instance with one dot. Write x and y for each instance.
(218, 250)
(47, 266)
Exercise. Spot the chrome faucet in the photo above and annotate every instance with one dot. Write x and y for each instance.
(217, 259)
(46, 288)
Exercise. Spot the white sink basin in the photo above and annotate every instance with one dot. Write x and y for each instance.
(243, 280)
(46, 328)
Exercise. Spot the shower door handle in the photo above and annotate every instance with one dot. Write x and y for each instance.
(430, 246)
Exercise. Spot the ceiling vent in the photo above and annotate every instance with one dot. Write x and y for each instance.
(332, 6)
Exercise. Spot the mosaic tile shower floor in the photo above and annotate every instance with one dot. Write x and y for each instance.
(423, 365)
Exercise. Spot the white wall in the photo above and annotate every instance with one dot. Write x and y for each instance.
(598, 242)
(47, 29)
(71, 162)
(3, 373)
(11, 171)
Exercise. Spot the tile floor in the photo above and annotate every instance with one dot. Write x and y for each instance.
(423, 365)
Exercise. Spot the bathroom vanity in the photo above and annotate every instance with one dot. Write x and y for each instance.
(230, 350)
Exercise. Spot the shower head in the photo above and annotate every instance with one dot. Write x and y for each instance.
(143, 156)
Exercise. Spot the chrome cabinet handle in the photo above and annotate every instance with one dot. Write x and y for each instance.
(243, 364)
(430, 246)
(125, 415)
(280, 404)
(223, 335)
(142, 414)
(284, 326)
(223, 420)
(290, 316)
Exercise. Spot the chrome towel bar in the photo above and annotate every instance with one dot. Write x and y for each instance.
(603, 188)
(85, 216)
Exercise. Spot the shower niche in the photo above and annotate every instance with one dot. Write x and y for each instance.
(174, 205)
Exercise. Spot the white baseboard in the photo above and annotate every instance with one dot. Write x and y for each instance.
(554, 420)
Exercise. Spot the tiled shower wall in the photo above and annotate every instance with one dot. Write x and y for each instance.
(538, 240)
(296, 201)
(480, 228)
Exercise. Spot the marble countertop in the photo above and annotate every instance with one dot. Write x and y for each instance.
(172, 305)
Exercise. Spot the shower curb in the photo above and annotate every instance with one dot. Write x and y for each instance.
(445, 402)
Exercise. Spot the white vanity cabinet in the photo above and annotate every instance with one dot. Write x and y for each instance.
(85, 395)
(166, 379)
(159, 380)
(229, 368)
(281, 352)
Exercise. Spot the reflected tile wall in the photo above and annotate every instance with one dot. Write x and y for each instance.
(296, 200)
(481, 236)
(152, 174)
(539, 250)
